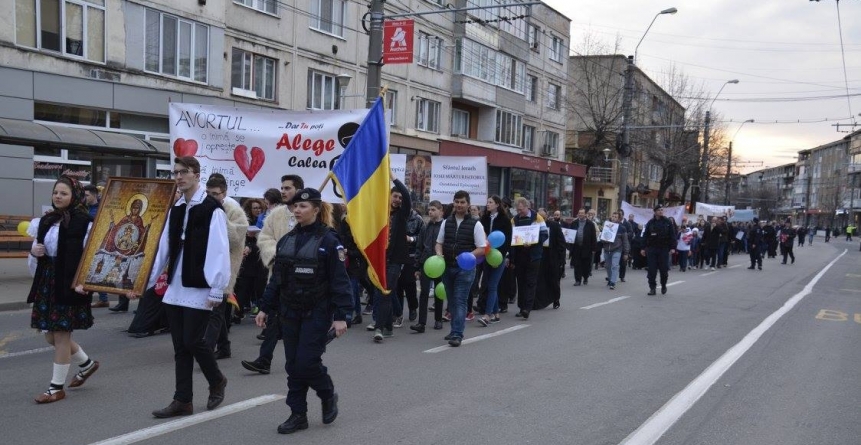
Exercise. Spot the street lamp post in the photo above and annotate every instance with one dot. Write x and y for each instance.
(627, 98)
(704, 160)
(729, 163)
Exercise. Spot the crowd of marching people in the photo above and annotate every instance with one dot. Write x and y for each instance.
(289, 260)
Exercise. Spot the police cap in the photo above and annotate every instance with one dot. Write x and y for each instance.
(303, 195)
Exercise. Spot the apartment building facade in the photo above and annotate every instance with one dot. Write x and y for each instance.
(597, 86)
(88, 83)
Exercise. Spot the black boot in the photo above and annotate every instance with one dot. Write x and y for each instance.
(651, 291)
(122, 305)
(330, 409)
(295, 423)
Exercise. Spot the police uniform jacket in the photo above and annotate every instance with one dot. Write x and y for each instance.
(661, 232)
(330, 273)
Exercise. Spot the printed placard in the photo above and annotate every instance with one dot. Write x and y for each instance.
(525, 235)
(608, 233)
(570, 235)
(453, 173)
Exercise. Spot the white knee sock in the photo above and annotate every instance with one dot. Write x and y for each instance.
(80, 357)
(60, 373)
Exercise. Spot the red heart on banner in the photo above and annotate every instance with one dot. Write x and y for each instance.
(183, 147)
(251, 166)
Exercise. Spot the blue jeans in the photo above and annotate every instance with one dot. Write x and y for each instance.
(611, 263)
(457, 283)
(103, 297)
(494, 274)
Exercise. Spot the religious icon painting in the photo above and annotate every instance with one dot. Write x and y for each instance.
(124, 238)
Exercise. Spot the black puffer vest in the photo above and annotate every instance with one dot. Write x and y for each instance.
(458, 239)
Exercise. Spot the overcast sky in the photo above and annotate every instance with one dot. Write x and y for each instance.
(777, 49)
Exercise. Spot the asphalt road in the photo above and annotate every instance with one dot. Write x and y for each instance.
(611, 373)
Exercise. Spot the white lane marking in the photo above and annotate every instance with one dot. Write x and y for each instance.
(854, 275)
(845, 290)
(674, 283)
(479, 338)
(28, 352)
(592, 306)
(733, 267)
(655, 426)
(169, 427)
(707, 274)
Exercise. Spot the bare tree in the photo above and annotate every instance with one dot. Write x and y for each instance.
(594, 99)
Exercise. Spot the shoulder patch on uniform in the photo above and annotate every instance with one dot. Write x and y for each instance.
(342, 253)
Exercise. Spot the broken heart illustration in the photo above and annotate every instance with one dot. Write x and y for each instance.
(249, 166)
(185, 147)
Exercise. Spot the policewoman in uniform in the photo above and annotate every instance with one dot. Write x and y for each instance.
(310, 289)
(661, 239)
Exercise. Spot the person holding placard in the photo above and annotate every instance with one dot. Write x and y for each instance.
(617, 246)
(585, 243)
(660, 238)
(526, 256)
(460, 241)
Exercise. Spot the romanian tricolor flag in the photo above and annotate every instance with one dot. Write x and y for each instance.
(363, 176)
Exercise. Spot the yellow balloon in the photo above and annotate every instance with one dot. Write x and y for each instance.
(22, 227)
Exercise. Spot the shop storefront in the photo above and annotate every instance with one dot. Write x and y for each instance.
(548, 183)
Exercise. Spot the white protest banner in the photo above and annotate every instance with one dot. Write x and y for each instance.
(676, 213)
(739, 235)
(398, 163)
(521, 235)
(714, 210)
(609, 232)
(643, 215)
(254, 148)
(452, 173)
(570, 235)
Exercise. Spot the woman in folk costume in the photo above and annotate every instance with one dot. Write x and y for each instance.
(59, 306)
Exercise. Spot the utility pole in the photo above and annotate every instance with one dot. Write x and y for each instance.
(704, 160)
(728, 174)
(375, 52)
(626, 151)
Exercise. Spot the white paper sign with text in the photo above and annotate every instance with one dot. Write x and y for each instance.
(608, 233)
(522, 235)
(452, 173)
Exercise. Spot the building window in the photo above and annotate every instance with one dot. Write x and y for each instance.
(427, 115)
(534, 38)
(253, 75)
(72, 27)
(459, 123)
(176, 47)
(531, 87)
(528, 138)
(511, 72)
(509, 128)
(478, 61)
(392, 106)
(553, 96)
(551, 143)
(322, 91)
(267, 6)
(556, 49)
(429, 50)
(328, 16)
(511, 20)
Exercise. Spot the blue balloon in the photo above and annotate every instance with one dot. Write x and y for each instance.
(466, 261)
(496, 239)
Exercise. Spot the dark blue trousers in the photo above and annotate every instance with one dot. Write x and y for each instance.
(304, 335)
(657, 258)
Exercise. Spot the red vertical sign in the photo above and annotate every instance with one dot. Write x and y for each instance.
(398, 41)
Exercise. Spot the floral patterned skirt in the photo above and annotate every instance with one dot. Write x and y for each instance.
(50, 316)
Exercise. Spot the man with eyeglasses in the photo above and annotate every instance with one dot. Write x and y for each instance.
(195, 250)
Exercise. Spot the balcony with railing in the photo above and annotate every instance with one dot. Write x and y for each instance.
(601, 175)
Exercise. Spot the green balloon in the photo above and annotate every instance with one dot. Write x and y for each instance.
(494, 258)
(434, 266)
(439, 292)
